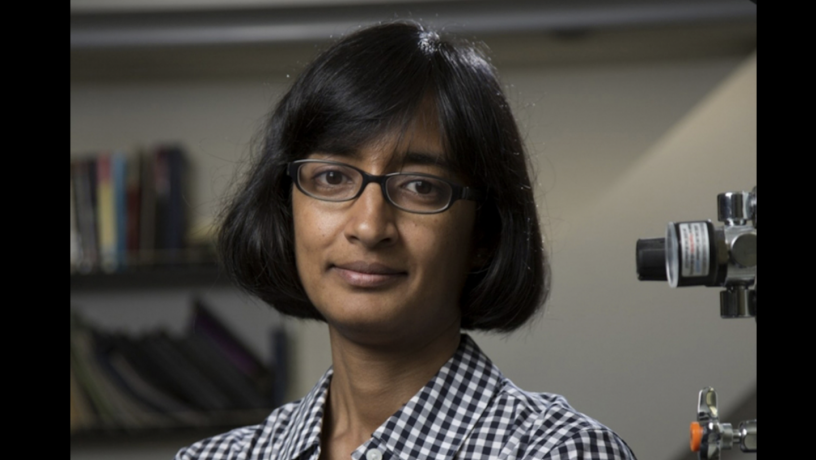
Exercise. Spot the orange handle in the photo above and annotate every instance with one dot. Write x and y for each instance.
(696, 436)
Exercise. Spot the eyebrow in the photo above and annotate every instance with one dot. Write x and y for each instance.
(406, 158)
(423, 158)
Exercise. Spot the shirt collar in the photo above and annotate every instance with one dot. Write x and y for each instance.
(303, 431)
(433, 423)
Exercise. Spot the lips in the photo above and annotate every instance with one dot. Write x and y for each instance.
(368, 275)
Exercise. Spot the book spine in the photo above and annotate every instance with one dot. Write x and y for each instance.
(147, 209)
(127, 410)
(203, 393)
(206, 323)
(119, 176)
(161, 183)
(106, 213)
(76, 248)
(154, 396)
(82, 415)
(86, 214)
(133, 203)
(81, 366)
(93, 181)
(176, 228)
(218, 370)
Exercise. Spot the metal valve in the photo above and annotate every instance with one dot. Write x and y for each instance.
(709, 436)
(736, 208)
(696, 253)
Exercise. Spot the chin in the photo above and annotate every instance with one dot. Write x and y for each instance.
(364, 315)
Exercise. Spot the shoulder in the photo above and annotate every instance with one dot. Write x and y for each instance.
(245, 443)
(545, 426)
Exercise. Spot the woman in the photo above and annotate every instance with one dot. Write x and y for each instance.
(392, 201)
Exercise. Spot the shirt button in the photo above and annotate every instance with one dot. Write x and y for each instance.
(373, 454)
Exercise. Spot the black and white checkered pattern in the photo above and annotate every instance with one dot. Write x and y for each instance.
(468, 410)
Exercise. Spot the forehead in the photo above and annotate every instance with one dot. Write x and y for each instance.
(419, 141)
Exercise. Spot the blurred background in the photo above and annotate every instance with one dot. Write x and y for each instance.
(636, 113)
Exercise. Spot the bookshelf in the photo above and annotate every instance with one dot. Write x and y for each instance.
(137, 371)
(210, 100)
(210, 391)
(189, 276)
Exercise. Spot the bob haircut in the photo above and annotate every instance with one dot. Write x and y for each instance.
(366, 85)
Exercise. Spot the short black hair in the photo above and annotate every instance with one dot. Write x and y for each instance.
(363, 86)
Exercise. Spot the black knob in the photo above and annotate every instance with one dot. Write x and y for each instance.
(651, 259)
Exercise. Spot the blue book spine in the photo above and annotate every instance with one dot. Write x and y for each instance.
(119, 173)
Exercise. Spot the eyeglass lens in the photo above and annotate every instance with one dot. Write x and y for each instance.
(412, 192)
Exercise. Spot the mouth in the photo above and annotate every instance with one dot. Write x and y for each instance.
(368, 275)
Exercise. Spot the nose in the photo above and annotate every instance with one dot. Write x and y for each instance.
(371, 220)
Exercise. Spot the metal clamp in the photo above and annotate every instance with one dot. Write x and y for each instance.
(709, 436)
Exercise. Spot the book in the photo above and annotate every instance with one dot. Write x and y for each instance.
(86, 375)
(161, 191)
(118, 178)
(156, 397)
(93, 181)
(85, 212)
(147, 207)
(165, 200)
(106, 212)
(218, 370)
(158, 408)
(158, 380)
(187, 380)
(206, 324)
(82, 414)
(138, 205)
(133, 203)
(177, 218)
(126, 410)
(140, 358)
(100, 411)
(76, 248)
(113, 407)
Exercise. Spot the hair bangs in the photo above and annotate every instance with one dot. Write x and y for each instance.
(360, 93)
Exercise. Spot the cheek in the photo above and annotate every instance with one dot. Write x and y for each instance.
(449, 249)
(311, 233)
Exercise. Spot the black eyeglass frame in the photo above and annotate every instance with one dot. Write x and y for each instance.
(458, 192)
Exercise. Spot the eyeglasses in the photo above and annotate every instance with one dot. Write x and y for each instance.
(412, 192)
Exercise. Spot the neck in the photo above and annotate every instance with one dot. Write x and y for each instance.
(370, 383)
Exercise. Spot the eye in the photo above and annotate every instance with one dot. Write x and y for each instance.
(421, 187)
(331, 177)
(334, 182)
(425, 188)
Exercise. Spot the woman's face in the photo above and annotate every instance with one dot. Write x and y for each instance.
(379, 274)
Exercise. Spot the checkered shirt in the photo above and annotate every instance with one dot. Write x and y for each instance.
(468, 410)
